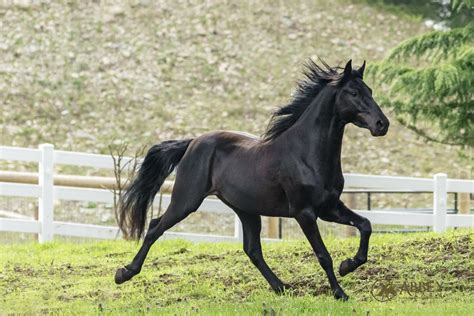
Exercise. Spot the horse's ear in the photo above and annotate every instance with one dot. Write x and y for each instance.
(361, 70)
(348, 70)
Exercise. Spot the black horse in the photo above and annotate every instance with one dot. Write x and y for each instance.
(294, 170)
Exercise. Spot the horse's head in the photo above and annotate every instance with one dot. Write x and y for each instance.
(354, 102)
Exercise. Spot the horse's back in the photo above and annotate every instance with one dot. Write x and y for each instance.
(203, 151)
(235, 138)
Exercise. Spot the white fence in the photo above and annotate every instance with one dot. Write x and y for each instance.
(46, 192)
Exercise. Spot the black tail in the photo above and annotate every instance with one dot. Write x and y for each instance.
(159, 162)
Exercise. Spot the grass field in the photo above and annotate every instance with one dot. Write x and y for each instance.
(218, 279)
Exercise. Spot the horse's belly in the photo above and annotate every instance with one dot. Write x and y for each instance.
(265, 201)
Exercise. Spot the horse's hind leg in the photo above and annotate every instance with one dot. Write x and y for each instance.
(184, 200)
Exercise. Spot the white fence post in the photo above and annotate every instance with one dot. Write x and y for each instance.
(238, 233)
(46, 183)
(439, 202)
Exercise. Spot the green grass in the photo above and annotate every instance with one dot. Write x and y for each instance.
(183, 278)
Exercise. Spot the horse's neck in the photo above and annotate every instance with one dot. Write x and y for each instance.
(319, 133)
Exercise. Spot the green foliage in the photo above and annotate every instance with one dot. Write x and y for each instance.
(442, 12)
(457, 5)
(435, 45)
(431, 84)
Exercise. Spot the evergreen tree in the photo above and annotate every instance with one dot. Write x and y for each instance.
(430, 83)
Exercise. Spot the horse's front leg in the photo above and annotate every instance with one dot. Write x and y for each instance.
(343, 215)
(307, 221)
(251, 226)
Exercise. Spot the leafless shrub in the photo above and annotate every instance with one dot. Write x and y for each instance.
(125, 170)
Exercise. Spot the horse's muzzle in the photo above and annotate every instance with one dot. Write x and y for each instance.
(380, 127)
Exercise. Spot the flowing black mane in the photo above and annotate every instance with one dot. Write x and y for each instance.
(316, 77)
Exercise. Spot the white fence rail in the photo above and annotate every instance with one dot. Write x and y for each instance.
(46, 192)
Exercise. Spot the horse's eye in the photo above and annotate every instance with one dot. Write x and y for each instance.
(354, 93)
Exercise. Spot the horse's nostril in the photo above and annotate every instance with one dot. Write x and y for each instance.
(380, 125)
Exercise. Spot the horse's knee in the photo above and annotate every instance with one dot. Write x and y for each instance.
(325, 260)
(365, 227)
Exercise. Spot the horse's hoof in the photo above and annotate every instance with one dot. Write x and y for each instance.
(340, 295)
(346, 267)
(122, 275)
(284, 288)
